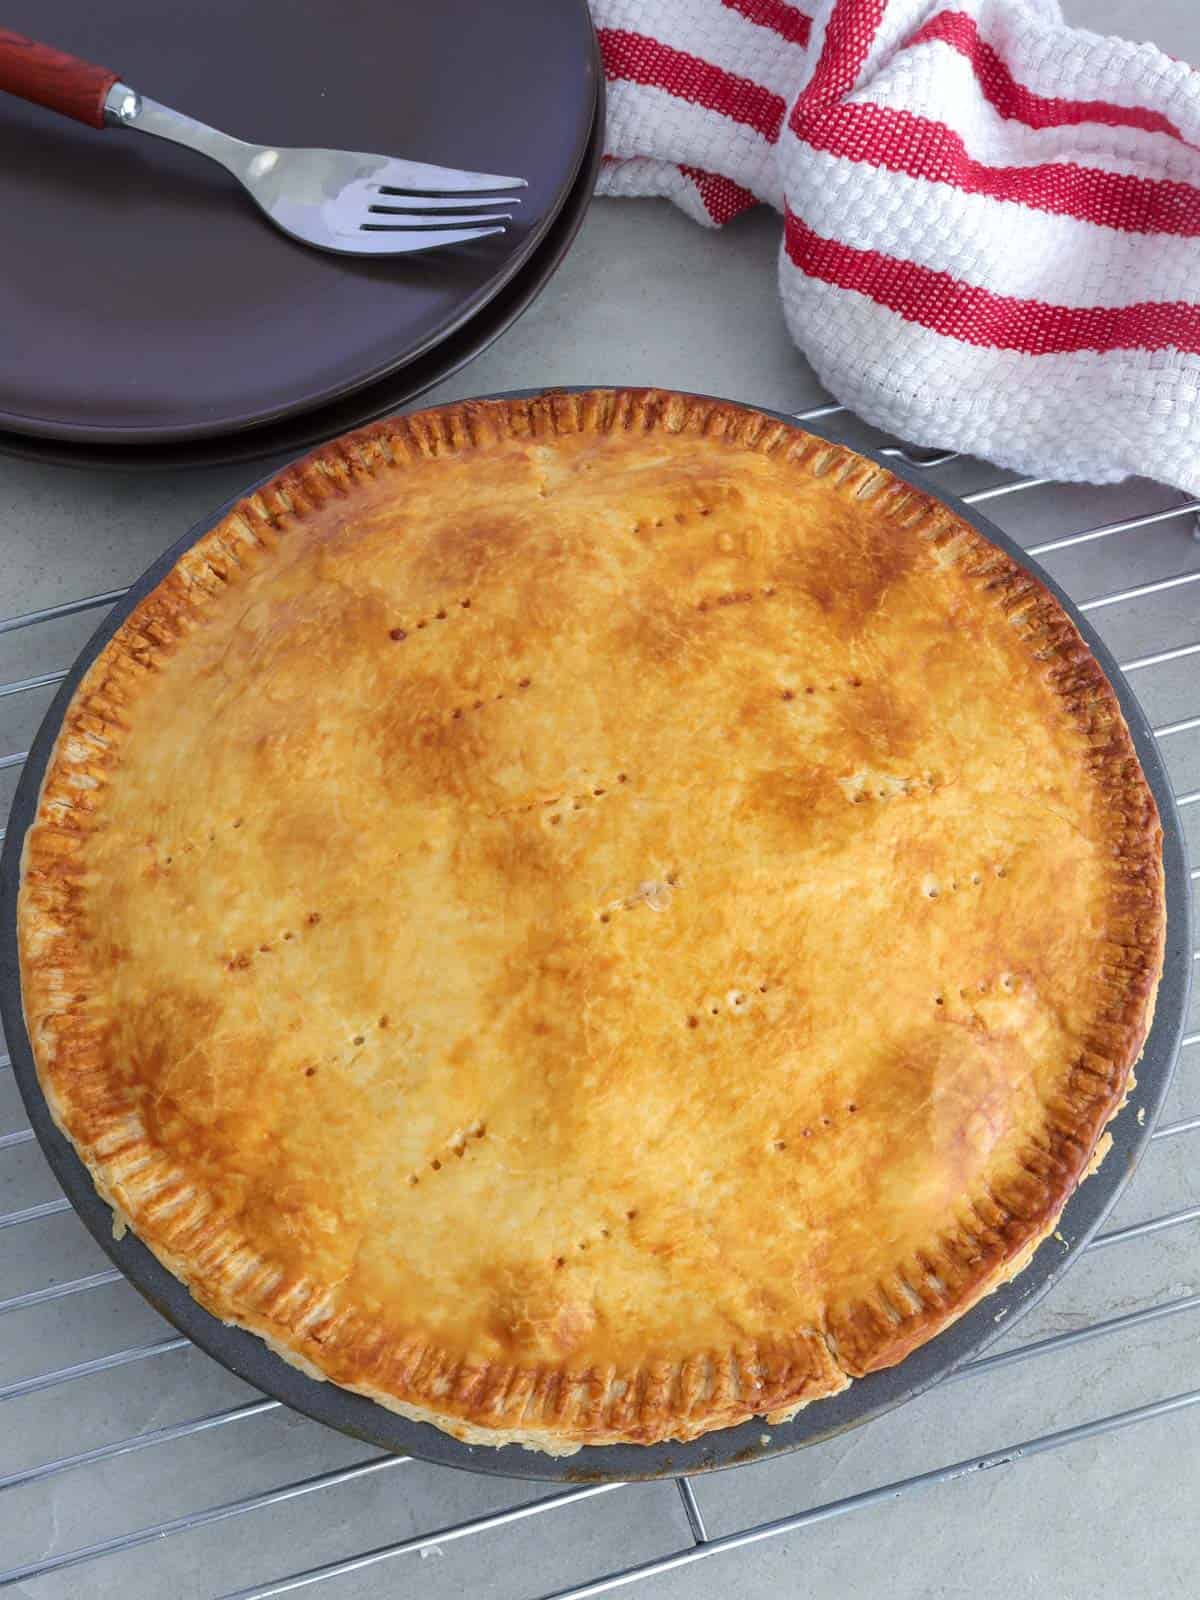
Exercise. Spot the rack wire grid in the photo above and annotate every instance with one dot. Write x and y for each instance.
(131, 1464)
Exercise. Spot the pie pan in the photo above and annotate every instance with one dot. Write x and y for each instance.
(250, 1359)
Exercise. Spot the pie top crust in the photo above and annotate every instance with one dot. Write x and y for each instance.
(591, 918)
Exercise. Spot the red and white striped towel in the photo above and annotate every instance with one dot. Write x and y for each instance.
(991, 220)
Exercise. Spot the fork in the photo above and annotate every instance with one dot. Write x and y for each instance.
(341, 200)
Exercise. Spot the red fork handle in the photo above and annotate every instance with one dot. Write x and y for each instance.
(49, 78)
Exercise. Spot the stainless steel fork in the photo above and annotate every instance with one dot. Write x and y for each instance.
(341, 200)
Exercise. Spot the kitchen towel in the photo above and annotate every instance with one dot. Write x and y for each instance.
(991, 234)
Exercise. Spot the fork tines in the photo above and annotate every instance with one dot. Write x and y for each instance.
(406, 211)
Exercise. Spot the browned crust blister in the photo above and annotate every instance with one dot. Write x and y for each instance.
(553, 1407)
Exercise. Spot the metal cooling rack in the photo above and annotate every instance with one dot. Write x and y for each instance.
(61, 1464)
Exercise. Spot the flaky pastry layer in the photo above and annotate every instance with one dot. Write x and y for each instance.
(591, 918)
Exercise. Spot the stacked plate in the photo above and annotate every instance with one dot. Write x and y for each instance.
(155, 319)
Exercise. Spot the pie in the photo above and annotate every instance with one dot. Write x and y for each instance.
(591, 918)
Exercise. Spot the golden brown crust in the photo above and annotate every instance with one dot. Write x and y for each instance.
(591, 918)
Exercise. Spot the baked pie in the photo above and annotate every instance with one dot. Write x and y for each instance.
(591, 918)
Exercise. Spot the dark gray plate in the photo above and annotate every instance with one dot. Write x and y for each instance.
(299, 431)
(250, 1359)
(143, 296)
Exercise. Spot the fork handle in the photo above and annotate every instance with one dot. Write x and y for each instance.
(48, 77)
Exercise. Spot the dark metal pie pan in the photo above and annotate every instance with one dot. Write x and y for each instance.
(249, 1358)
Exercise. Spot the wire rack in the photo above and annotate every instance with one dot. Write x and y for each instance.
(70, 1429)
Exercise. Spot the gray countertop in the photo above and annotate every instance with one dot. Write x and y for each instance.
(644, 297)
